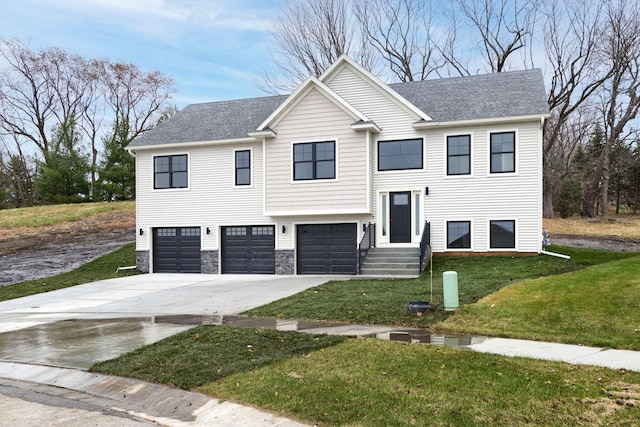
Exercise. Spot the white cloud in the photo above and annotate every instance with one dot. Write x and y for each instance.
(212, 49)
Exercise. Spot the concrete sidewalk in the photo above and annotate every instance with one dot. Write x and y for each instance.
(574, 354)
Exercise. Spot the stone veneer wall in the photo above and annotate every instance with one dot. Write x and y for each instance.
(142, 261)
(209, 262)
(285, 262)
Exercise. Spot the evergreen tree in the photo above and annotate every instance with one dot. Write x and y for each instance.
(117, 179)
(62, 176)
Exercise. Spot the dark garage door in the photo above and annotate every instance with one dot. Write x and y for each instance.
(248, 250)
(326, 249)
(176, 250)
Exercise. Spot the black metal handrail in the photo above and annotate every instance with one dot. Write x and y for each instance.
(368, 241)
(425, 244)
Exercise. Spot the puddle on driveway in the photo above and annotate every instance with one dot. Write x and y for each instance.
(81, 343)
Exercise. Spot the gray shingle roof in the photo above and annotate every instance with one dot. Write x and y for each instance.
(517, 93)
(212, 121)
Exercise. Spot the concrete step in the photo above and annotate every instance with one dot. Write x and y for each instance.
(392, 258)
(389, 272)
(391, 265)
(392, 262)
(413, 251)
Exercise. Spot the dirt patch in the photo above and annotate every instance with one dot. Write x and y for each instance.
(619, 397)
(608, 243)
(33, 253)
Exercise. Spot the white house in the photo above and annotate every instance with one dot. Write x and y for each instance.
(289, 184)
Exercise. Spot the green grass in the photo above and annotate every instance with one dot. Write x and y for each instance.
(39, 216)
(98, 269)
(367, 382)
(598, 306)
(385, 301)
(333, 381)
(208, 353)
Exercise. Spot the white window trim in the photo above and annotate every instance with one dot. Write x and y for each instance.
(516, 160)
(446, 235)
(251, 167)
(153, 172)
(471, 155)
(314, 181)
(399, 171)
(489, 248)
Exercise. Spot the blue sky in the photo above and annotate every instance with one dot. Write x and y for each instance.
(213, 49)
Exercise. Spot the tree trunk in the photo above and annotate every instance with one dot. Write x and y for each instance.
(547, 199)
(605, 178)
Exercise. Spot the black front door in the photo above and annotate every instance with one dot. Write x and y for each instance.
(400, 217)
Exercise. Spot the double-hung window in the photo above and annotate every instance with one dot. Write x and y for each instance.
(314, 160)
(170, 172)
(400, 154)
(502, 234)
(459, 155)
(503, 152)
(243, 167)
(459, 234)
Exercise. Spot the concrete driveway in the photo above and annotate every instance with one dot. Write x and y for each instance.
(78, 326)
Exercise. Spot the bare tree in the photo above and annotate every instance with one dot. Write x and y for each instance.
(402, 33)
(38, 90)
(43, 91)
(620, 96)
(572, 32)
(500, 30)
(139, 97)
(18, 170)
(309, 36)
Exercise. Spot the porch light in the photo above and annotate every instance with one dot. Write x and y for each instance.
(284, 229)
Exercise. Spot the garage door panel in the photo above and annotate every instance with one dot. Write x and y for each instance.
(176, 250)
(326, 249)
(248, 250)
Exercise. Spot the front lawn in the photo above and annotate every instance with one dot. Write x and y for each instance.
(208, 353)
(385, 301)
(331, 381)
(598, 306)
(368, 382)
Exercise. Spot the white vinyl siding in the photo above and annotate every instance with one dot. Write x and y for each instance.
(315, 118)
(212, 199)
(486, 196)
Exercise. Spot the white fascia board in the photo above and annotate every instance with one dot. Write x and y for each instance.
(382, 87)
(475, 122)
(318, 212)
(191, 144)
(300, 93)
